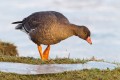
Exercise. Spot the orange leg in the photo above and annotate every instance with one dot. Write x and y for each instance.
(40, 51)
(45, 54)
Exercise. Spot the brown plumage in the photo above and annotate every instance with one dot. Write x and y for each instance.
(50, 27)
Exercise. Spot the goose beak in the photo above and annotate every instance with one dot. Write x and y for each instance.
(89, 40)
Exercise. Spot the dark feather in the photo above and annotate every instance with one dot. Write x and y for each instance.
(17, 22)
(19, 26)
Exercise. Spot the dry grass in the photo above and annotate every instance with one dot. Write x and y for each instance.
(8, 49)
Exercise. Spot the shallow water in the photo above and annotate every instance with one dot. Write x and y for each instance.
(102, 17)
(21, 68)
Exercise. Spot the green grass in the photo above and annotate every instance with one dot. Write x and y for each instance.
(30, 60)
(8, 53)
(93, 74)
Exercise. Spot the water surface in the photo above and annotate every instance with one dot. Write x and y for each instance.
(21, 68)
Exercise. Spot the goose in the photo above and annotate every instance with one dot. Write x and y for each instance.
(50, 27)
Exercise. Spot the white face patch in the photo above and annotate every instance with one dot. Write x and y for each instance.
(32, 30)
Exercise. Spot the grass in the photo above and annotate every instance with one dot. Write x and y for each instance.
(8, 53)
(93, 74)
(7, 48)
(30, 60)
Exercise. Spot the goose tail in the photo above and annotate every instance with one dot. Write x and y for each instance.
(17, 22)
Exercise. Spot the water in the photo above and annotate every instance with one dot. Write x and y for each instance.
(101, 17)
(21, 68)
